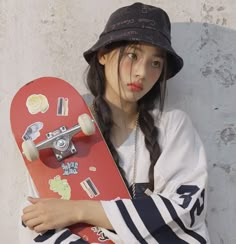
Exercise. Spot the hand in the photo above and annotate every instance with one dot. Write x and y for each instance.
(47, 214)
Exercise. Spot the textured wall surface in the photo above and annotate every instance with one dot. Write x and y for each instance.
(47, 38)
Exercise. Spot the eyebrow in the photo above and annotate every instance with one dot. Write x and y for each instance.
(158, 55)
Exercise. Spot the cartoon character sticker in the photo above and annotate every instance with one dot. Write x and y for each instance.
(32, 131)
(61, 186)
(37, 103)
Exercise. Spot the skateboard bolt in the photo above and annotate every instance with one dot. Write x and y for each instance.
(61, 143)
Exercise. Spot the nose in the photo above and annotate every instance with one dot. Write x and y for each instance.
(140, 68)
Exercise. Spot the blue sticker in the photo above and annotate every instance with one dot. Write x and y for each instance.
(32, 132)
(70, 168)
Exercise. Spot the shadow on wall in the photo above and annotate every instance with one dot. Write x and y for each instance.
(206, 89)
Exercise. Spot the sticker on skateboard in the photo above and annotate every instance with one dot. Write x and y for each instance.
(62, 106)
(90, 187)
(37, 103)
(32, 132)
(60, 186)
(70, 168)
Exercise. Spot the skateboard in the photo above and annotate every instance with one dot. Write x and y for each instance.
(63, 148)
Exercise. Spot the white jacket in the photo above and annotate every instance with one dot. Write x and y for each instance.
(175, 212)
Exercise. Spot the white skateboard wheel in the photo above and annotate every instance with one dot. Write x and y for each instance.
(86, 124)
(30, 151)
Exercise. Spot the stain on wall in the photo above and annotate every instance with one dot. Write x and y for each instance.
(222, 66)
(228, 134)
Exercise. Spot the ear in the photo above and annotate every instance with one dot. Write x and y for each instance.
(102, 57)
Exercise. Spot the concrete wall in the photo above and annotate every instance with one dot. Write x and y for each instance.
(47, 38)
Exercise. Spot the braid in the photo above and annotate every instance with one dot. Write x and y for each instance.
(146, 121)
(103, 114)
(146, 124)
(96, 84)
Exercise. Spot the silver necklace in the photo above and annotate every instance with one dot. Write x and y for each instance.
(135, 158)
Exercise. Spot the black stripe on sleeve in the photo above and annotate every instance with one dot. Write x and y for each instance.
(62, 237)
(80, 241)
(129, 222)
(45, 236)
(176, 218)
(155, 224)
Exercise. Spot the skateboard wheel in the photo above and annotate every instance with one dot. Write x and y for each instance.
(30, 151)
(86, 124)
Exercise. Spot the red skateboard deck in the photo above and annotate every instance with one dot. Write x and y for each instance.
(46, 109)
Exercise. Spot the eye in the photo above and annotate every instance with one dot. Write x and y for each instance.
(132, 56)
(156, 64)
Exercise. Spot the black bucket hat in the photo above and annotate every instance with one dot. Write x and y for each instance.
(140, 23)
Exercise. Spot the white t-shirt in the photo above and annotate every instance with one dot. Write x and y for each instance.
(175, 211)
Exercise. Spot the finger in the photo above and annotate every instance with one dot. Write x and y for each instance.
(28, 216)
(33, 199)
(32, 223)
(28, 209)
(40, 228)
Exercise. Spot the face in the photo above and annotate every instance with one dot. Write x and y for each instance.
(139, 69)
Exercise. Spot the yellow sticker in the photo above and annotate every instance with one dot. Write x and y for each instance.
(61, 186)
(37, 103)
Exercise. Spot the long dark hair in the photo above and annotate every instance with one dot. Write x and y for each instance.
(96, 84)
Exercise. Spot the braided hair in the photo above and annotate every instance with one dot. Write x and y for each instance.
(96, 84)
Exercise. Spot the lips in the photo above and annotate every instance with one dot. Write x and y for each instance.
(135, 86)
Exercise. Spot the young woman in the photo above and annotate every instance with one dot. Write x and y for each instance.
(158, 152)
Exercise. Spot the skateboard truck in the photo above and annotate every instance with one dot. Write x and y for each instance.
(59, 140)
(61, 143)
